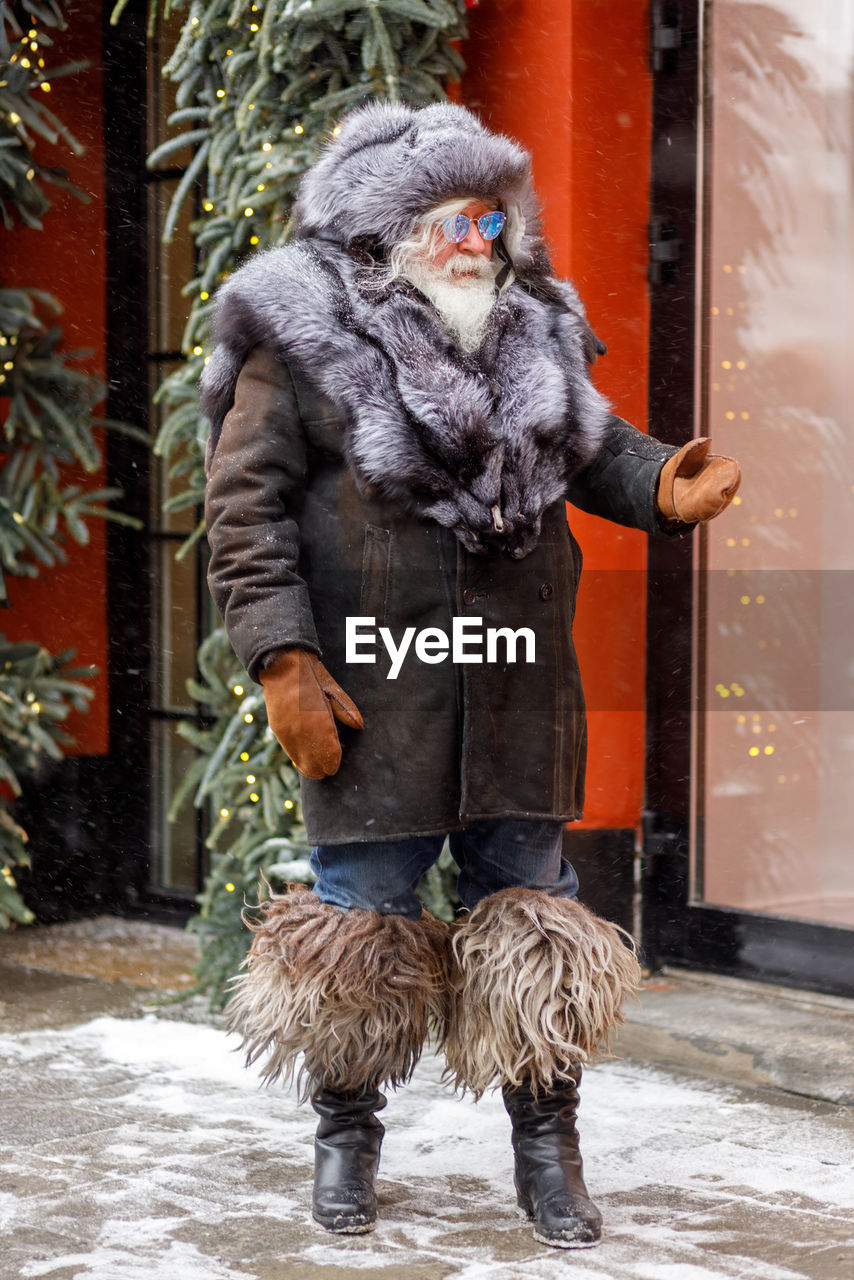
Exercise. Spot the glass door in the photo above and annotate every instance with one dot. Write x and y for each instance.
(755, 840)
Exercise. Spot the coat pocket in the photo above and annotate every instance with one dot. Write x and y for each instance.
(376, 566)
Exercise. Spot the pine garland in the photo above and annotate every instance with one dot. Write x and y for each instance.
(261, 84)
(47, 402)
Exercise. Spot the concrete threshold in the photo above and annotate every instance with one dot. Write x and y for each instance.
(747, 1033)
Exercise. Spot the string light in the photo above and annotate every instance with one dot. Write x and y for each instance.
(298, 128)
(249, 717)
(223, 813)
(244, 755)
(207, 206)
(254, 797)
(204, 295)
(220, 93)
(248, 212)
(250, 778)
(238, 690)
(268, 146)
(197, 351)
(253, 239)
(229, 887)
(289, 804)
(45, 88)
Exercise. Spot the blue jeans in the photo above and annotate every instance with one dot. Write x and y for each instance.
(498, 854)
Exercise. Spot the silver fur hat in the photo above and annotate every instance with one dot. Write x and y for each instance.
(391, 163)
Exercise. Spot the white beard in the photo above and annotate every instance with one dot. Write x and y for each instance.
(462, 291)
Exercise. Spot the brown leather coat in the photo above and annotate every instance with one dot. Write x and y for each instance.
(296, 549)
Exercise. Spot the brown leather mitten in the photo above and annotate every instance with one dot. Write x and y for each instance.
(302, 703)
(695, 485)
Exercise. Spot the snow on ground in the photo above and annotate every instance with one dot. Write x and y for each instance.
(141, 1149)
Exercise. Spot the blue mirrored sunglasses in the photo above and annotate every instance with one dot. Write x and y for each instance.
(456, 228)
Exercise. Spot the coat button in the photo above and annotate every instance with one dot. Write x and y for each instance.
(546, 591)
(469, 596)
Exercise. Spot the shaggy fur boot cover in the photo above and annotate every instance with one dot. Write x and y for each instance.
(539, 985)
(354, 991)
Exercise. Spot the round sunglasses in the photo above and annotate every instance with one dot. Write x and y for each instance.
(456, 228)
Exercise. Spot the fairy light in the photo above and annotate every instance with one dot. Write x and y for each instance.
(298, 128)
(204, 295)
(14, 118)
(197, 351)
(248, 717)
(220, 93)
(250, 778)
(244, 755)
(223, 813)
(45, 88)
(36, 708)
(289, 804)
(254, 797)
(261, 187)
(229, 887)
(248, 211)
(253, 239)
(268, 146)
(208, 206)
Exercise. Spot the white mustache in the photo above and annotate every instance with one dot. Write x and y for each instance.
(464, 264)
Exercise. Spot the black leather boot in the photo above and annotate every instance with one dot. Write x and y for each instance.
(549, 1177)
(346, 1159)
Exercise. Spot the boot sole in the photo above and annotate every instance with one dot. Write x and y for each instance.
(565, 1244)
(338, 1228)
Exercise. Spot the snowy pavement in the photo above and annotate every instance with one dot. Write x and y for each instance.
(138, 1148)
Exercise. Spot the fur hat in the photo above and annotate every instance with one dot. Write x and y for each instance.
(390, 164)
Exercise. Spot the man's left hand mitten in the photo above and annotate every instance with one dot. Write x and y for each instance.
(696, 485)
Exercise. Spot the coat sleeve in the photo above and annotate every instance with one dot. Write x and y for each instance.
(621, 482)
(255, 480)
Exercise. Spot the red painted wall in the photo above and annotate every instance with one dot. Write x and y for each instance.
(67, 606)
(569, 79)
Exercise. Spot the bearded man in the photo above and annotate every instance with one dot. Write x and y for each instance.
(401, 404)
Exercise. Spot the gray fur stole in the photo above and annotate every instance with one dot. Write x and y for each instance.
(480, 443)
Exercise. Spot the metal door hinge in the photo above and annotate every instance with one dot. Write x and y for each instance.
(665, 36)
(660, 837)
(665, 251)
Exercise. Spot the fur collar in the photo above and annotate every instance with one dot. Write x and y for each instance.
(480, 443)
